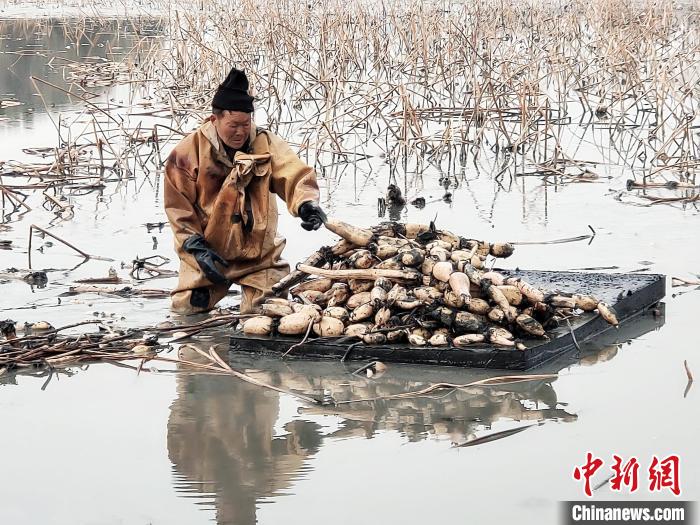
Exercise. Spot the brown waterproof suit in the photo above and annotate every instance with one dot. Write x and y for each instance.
(231, 203)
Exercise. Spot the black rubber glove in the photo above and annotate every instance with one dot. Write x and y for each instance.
(206, 258)
(312, 216)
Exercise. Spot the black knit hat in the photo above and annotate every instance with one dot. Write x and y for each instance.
(232, 93)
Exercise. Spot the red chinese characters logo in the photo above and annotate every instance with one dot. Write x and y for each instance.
(624, 475)
(663, 474)
(587, 471)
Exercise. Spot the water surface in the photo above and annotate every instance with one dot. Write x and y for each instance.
(103, 444)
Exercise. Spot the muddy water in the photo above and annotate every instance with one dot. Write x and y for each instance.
(102, 444)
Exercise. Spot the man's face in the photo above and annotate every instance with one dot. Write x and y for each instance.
(233, 127)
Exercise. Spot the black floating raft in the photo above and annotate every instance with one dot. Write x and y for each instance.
(630, 294)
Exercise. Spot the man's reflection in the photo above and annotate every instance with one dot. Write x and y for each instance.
(220, 439)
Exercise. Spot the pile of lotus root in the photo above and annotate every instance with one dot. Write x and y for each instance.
(413, 284)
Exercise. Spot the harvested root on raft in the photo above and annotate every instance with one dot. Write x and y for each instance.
(460, 284)
(381, 318)
(362, 312)
(439, 254)
(352, 234)
(427, 295)
(462, 256)
(357, 329)
(413, 257)
(397, 293)
(442, 271)
(443, 245)
(607, 313)
(321, 284)
(477, 262)
(511, 293)
(315, 259)
(378, 296)
(416, 340)
(392, 263)
(337, 295)
(587, 303)
(560, 301)
(443, 315)
(275, 310)
(385, 283)
(496, 314)
(533, 294)
(427, 288)
(468, 339)
(529, 325)
(495, 278)
(374, 338)
(452, 299)
(297, 323)
(408, 275)
(312, 297)
(500, 337)
(498, 297)
(358, 285)
(502, 250)
(358, 299)
(408, 304)
(361, 259)
(465, 322)
(438, 339)
(329, 327)
(413, 230)
(473, 274)
(383, 251)
(309, 309)
(338, 312)
(478, 306)
(427, 267)
(421, 332)
(396, 336)
(260, 325)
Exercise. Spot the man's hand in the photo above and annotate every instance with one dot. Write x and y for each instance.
(312, 216)
(206, 258)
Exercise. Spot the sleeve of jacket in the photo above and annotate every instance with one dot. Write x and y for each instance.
(180, 195)
(292, 179)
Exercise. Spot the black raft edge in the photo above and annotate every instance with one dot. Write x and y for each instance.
(537, 352)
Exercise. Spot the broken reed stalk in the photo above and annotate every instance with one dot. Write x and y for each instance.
(218, 364)
(85, 255)
(304, 339)
(12, 197)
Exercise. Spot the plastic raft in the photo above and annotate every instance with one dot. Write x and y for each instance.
(630, 294)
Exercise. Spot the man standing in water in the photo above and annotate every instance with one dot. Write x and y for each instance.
(221, 184)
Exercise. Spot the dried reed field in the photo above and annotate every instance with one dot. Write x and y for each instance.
(509, 89)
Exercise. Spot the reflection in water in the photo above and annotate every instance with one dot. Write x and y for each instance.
(221, 432)
(221, 442)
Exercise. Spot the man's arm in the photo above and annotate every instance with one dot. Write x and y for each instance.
(292, 179)
(180, 194)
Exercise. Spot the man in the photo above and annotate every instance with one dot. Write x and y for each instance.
(221, 184)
